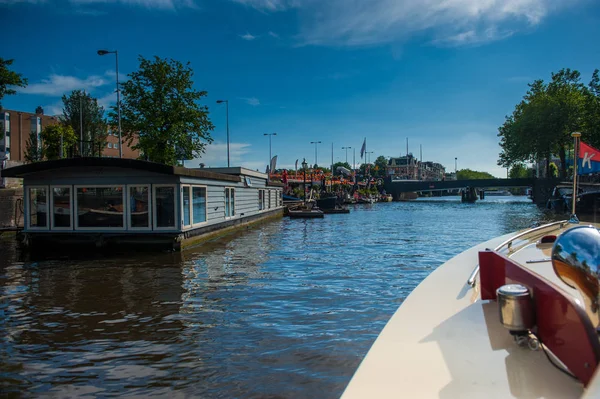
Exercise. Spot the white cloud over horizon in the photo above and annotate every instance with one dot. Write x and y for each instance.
(255, 102)
(444, 22)
(248, 36)
(57, 85)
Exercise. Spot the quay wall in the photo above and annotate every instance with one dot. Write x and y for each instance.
(11, 207)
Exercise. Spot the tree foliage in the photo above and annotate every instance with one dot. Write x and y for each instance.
(33, 148)
(468, 174)
(541, 124)
(342, 164)
(519, 171)
(8, 79)
(51, 140)
(79, 107)
(380, 165)
(160, 106)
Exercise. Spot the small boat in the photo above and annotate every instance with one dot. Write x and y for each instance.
(519, 320)
(331, 205)
(587, 203)
(305, 213)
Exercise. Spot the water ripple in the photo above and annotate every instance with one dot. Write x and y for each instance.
(287, 309)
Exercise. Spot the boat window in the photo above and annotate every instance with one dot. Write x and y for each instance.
(269, 198)
(264, 199)
(186, 205)
(281, 198)
(164, 206)
(38, 208)
(139, 200)
(100, 207)
(61, 207)
(230, 202)
(199, 204)
(260, 200)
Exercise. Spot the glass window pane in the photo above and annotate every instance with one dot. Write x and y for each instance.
(186, 206)
(100, 206)
(199, 204)
(38, 207)
(139, 198)
(165, 207)
(61, 196)
(227, 202)
(260, 200)
(232, 198)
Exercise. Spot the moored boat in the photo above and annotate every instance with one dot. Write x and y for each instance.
(517, 321)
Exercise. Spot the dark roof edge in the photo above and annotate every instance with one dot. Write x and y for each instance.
(36, 167)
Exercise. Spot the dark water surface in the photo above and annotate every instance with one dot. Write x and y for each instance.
(286, 309)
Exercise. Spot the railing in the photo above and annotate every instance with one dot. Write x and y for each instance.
(508, 243)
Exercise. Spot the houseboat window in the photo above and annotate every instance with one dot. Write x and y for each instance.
(269, 198)
(230, 202)
(264, 200)
(100, 206)
(186, 206)
(38, 207)
(199, 204)
(260, 200)
(139, 198)
(61, 204)
(281, 198)
(165, 206)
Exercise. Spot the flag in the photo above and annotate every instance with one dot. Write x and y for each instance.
(363, 148)
(589, 159)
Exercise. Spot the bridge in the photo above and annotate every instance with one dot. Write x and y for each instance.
(541, 188)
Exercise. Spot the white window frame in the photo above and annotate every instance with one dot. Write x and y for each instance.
(27, 193)
(194, 225)
(175, 191)
(52, 227)
(129, 210)
(76, 207)
(231, 209)
(190, 211)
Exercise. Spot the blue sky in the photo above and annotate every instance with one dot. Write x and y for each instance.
(442, 73)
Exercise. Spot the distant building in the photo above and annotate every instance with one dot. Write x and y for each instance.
(17, 126)
(409, 168)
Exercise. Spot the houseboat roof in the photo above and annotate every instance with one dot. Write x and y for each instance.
(85, 162)
(237, 170)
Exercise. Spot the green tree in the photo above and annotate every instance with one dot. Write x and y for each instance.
(80, 109)
(160, 106)
(51, 140)
(342, 164)
(519, 171)
(542, 122)
(33, 148)
(8, 79)
(380, 165)
(468, 174)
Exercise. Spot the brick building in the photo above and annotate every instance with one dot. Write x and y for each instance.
(16, 126)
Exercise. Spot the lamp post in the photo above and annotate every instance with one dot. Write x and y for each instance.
(369, 155)
(304, 185)
(456, 168)
(227, 122)
(116, 53)
(270, 134)
(346, 148)
(316, 143)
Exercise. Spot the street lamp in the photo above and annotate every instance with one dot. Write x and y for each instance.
(455, 168)
(116, 53)
(316, 143)
(369, 155)
(304, 185)
(270, 134)
(227, 118)
(346, 148)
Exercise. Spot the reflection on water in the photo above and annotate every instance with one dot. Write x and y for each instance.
(286, 309)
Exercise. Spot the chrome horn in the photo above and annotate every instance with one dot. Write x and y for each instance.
(576, 261)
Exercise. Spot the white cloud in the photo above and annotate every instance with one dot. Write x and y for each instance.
(157, 4)
(108, 100)
(54, 109)
(57, 85)
(248, 36)
(444, 22)
(216, 155)
(273, 34)
(251, 101)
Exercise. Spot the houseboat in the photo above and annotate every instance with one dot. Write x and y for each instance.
(106, 201)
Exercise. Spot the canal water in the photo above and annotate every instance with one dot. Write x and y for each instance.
(286, 309)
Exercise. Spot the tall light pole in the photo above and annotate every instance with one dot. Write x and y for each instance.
(455, 167)
(369, 155)
(346, 148)
(227, 121)
(270, 134)
(304, 185)
(116, 53)
(316, 143)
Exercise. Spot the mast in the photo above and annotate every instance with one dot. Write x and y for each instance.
(576, 136)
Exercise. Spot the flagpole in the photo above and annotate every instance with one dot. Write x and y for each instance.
(576, 136)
